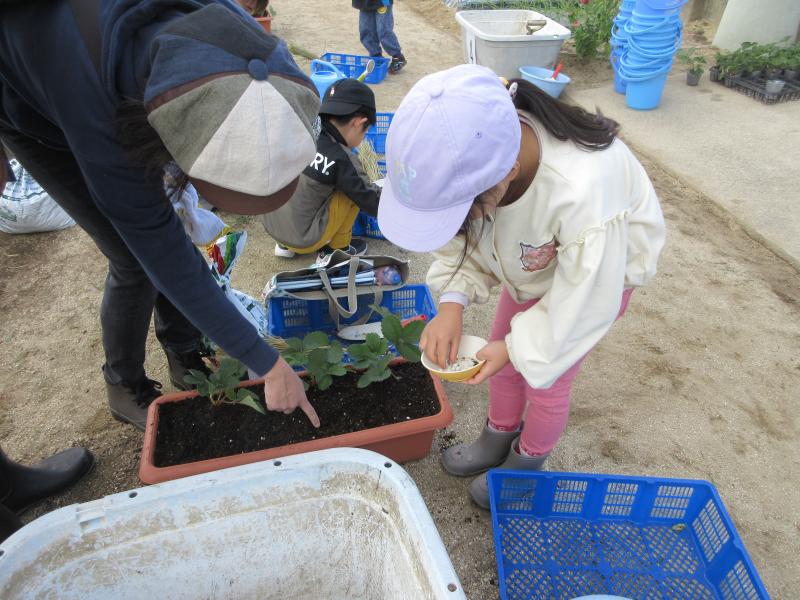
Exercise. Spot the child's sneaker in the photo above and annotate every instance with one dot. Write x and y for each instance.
(398, 62)
(283, 252)
(357, 247)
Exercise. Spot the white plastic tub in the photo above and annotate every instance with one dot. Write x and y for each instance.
(498, 39)
(342, 523)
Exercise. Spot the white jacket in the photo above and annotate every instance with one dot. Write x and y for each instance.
(589, 226)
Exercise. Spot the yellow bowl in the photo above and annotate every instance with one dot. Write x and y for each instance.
(469, 346)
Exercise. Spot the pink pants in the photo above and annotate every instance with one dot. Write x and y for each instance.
(509, 393)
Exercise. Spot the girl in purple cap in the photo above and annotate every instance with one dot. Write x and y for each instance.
(512, 187)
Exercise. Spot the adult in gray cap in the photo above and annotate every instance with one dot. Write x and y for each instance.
(82, 82)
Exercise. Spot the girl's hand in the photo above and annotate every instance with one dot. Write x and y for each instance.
(440, 339)
(496, 356)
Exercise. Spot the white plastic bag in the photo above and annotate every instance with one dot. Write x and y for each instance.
(201, 225)
(26, 208)
(224, 254)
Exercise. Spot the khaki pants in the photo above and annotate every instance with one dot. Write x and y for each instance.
(338, 233)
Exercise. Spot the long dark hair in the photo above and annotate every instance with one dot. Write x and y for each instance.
(142, 144)
(565, 122)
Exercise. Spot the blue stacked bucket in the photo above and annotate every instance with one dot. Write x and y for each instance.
(619, 40)
(652, 36)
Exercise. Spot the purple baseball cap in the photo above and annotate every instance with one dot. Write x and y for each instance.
(455, 135)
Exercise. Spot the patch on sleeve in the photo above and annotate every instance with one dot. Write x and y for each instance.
(536, 258)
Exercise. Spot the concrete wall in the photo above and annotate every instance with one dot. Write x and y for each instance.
(707, 10)
(760, 21)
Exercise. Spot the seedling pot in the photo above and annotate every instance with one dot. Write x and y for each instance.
(402, 442)
(265, 22)
(774, 86)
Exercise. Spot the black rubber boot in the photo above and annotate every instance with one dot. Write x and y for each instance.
(180, 363)
(129, 402)
(479, 488)
(25, 486)
(9, 523)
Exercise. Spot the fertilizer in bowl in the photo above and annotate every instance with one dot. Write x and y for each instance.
(462, 363)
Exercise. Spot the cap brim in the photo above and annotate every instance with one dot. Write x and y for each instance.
(338, 107)
(241, 203)
(418, 230)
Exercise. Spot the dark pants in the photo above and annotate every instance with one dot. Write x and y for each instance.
(129, 298)
(376, 30)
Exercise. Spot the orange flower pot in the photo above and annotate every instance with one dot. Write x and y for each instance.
(265, 22)
(402, 442)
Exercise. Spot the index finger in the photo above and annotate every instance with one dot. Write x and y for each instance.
(306, 407)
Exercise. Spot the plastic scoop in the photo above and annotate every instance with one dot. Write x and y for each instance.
(368, 68)
(358, 333)
(558, 70)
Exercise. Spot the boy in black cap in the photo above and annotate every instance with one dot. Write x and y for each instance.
(319, 216)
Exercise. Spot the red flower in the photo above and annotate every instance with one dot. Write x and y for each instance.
(584, 1)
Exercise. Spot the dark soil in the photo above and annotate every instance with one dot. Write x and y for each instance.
(194, 430)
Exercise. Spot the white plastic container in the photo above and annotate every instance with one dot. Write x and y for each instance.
(341, 523)
(499, 39)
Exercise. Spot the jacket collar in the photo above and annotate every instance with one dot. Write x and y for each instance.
(331, 130)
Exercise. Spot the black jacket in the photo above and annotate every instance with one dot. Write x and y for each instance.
(368, 4)
(301, 222)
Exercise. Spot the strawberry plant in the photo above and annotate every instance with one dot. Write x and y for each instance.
(323, 358)
(220, 386)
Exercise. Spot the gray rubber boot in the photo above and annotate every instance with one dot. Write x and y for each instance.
(486, 452)
(479, 488)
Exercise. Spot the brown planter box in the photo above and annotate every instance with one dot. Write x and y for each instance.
(402, 442)
(265, 22)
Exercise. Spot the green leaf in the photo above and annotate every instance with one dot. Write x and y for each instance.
(318, 359)
(253, 403)
(228, 367)
(315, 339)
(194, 377)
(335, 352)
(242, 393)
(391, 328)
(294, 345)
(295, 359)
(338, 370)
(409, 351)
(358, 351)
(324, 382)
(376, 344)
(364, 380)
(204, 389)
(383, 312)
(412, 331)
(231, 393)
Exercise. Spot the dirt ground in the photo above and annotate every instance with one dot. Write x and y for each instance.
(698, 380)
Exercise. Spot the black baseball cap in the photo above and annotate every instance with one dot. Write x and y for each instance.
(347, 96)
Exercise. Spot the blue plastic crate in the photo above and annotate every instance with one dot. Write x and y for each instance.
(365, 225)
(376, 134)
(565, 535)
(353, 65)
(290, 317)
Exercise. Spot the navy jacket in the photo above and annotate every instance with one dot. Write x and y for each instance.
(370, 5)
(51, 91)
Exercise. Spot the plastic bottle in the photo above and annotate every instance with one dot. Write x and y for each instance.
(388, 275)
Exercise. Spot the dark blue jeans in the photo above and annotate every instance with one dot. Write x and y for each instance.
(129, 298)
(377, 30)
